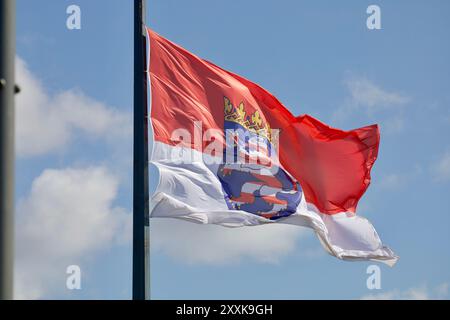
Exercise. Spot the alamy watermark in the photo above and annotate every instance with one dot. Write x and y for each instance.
(73, 281)
(73, 21)
(373, 22)
(374, 280)
(230, 146)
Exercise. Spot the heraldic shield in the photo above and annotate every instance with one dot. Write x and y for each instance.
(251, 176)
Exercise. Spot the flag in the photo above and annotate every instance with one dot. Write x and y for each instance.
(229, 153)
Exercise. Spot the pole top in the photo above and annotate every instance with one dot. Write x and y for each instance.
(143, 15)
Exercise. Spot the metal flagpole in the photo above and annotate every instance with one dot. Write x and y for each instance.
(141, 263)
(7, 90)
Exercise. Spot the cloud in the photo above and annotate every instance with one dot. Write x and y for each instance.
(442, 291)
(392, 181)
(192, 243)
(441, 168)
(370, 100)
(67, 217)
(416, 293)
(395, 181)
(393, 125)
(47, 123)
(371, 97)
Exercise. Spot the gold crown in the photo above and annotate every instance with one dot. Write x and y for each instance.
(252, 122)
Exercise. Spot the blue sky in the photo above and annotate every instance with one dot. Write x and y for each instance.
(318, 57)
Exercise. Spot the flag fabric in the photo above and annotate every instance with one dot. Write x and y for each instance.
(229, 153)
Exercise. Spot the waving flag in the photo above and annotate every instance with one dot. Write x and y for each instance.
(229, 153)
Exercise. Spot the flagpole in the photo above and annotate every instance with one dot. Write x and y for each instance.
(141, 259)
(7, 90)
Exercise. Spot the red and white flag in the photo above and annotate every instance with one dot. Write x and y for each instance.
(229, 153)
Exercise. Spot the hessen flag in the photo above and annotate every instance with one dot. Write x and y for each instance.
(229, 153)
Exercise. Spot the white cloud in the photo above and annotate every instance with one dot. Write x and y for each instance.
(368, 99)
(209, 244)
(68, 216)
(441, 168)
(441, 291)
(371, 97)
(392, 181)
(46, 123)
(393, 125)
(416, 293)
